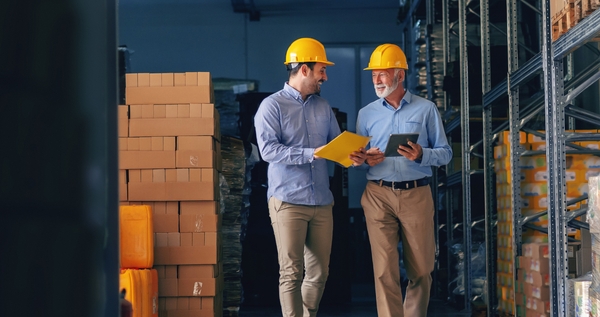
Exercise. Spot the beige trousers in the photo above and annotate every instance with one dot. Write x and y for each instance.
(391, 214)
(303, 236)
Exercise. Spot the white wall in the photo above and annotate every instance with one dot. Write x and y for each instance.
(206, 35)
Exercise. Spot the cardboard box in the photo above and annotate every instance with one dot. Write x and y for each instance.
(172, 191)
(536, 250)
(185, 255)
(539, 292)
(175, 94)
(200, 142)
(166, 223)
(199, 207)
(122, 185)
(190, 313)
(169, 88)
(198, 271)
(123, 121)
(537, 305)
(197, 287)
(146, 159)
(173, 127)
(197, 158)
(199, 222)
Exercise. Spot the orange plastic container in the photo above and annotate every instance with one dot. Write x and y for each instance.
(141, 289)
(136, 236)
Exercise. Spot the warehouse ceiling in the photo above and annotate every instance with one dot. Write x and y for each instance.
(256, 8)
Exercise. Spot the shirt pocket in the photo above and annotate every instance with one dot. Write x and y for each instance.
(322, 122)
(411, 127)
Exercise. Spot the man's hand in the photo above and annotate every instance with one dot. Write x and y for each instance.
(413, 151)
(374, 156)
(358, 157)
(317, 150)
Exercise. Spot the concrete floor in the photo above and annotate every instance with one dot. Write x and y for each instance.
(362, 305)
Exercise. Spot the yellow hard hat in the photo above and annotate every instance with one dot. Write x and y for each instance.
(387, 56)
(306, 50)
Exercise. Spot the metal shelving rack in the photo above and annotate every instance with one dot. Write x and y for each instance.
(549, 65)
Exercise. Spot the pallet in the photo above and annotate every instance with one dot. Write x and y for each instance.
(564, 20)
(583, 8)
(572, 13)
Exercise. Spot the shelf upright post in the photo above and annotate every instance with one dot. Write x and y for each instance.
(555, 154)
(488, 162)
(429, 5)
(448, 194)
(514, 138)
(466, 153)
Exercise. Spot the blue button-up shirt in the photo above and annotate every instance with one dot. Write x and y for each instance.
(414, 115)
(288, 130)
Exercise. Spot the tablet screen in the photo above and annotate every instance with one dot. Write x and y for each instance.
(396, 140)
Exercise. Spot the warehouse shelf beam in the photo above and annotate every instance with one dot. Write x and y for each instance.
(573, 136)
(453, 124)
(504, 33)
(543, 136)
(531, 7)
(579, 89)
(588, 151)
(583, 32)
(571, 202)
(545, 230)
(582, 114)
(579, 224)
(576, 213)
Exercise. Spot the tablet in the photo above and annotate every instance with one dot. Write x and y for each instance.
(399, 139)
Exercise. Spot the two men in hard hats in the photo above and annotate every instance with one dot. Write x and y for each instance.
(397, 202)
(291, 125)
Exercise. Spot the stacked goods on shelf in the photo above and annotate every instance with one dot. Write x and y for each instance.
(169, 159)
(593, 218)
(532, 291)
(565, 14)
(137, 277)
(534, 175)
(534, 186)
(505, 269)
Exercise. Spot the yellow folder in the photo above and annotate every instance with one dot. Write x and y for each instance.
(339, 149)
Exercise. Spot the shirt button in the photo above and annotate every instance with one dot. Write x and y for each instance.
(306, 120)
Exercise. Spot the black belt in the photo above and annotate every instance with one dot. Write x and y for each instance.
(403, 185)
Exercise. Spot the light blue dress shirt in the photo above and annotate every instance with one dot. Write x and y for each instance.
(288, 130)
(414, 115)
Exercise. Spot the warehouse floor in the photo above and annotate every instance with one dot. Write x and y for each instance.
(362, 305)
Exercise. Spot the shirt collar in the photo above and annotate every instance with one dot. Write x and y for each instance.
(405, 100)
(292, 91)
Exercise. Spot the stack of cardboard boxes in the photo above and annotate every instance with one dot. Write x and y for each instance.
(169, 159)
(533, 174)
(532, 291)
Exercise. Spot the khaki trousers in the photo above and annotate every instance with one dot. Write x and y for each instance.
(391, 214)
(303, 236)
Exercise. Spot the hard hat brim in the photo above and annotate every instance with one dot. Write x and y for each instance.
(375, 68)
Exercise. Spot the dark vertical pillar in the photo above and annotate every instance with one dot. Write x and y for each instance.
(58, 167)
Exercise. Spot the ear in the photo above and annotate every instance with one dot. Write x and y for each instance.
(401, 75)
(304, 70)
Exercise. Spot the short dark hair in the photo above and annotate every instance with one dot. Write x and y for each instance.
(294, 71)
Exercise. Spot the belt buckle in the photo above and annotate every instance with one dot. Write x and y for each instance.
(394, 186)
